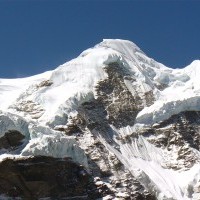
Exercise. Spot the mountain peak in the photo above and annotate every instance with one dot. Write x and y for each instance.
(117, 43)
(124, 47)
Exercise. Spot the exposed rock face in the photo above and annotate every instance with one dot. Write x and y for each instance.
(179, 135)
(39, 177)
(186, 124)
(11, 139)
(45, 83)
(118, 101)
(30, 108)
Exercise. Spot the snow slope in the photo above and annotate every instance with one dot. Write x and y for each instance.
(182, 94)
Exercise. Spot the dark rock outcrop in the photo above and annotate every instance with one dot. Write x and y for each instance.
(45, 83)
(40, 177)
(11, 139)
(121, 105)
(179, 132)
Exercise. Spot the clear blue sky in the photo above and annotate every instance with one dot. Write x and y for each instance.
(36, 36)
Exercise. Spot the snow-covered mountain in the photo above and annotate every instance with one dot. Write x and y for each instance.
(131, 123)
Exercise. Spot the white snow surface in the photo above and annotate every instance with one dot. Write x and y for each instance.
(35, 109)
(182, 93)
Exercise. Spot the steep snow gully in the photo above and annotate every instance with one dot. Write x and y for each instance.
(127, 102)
